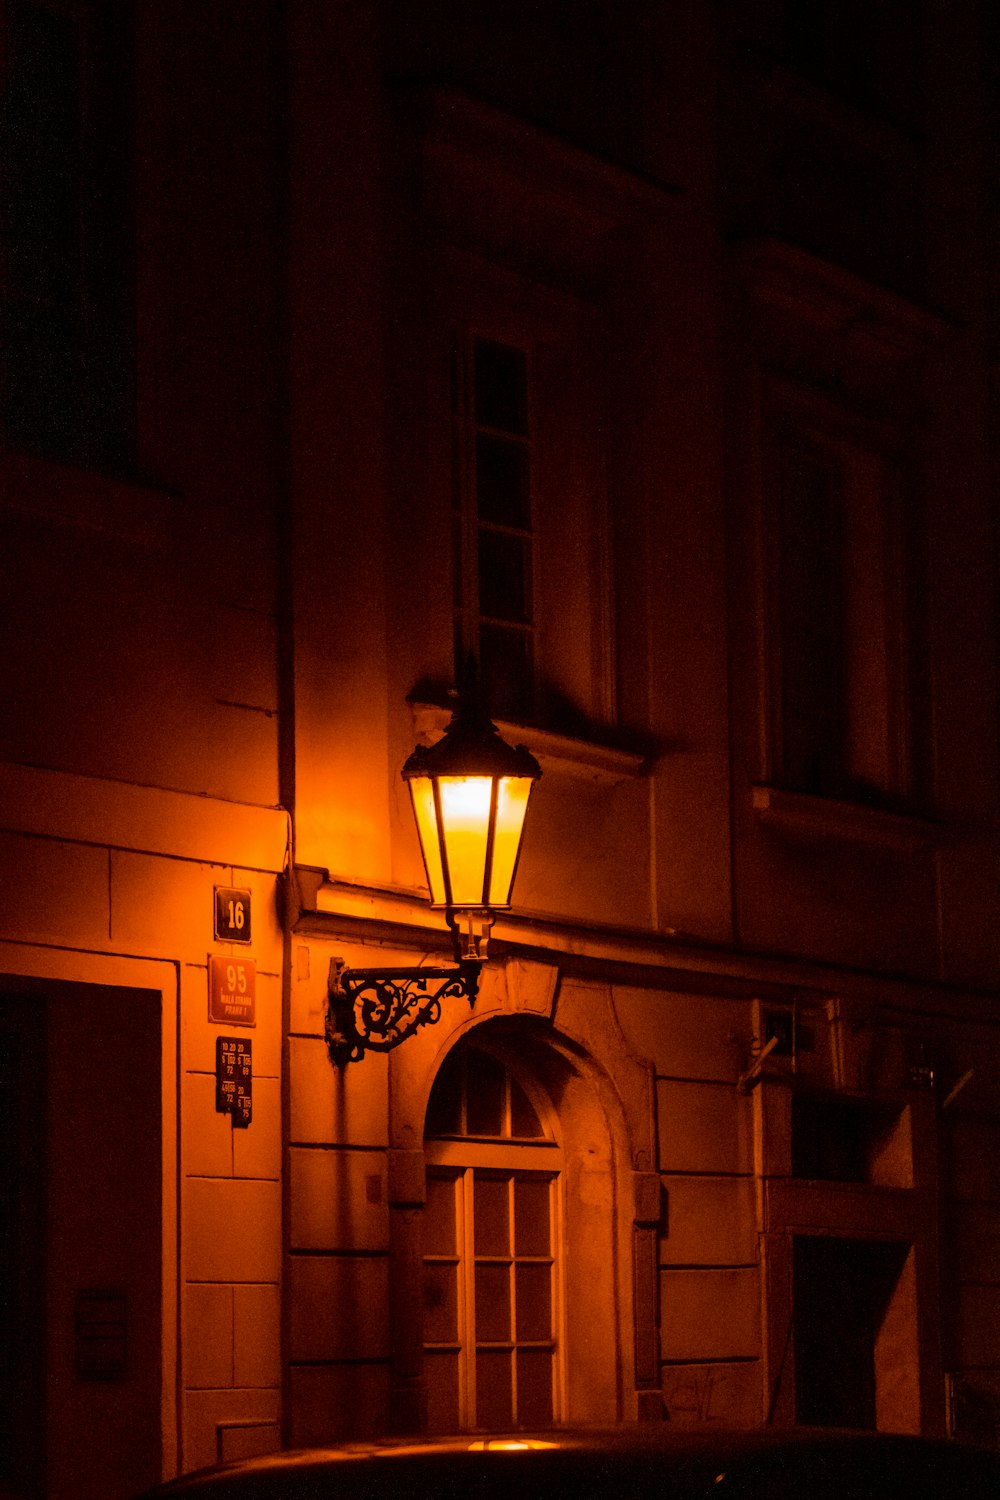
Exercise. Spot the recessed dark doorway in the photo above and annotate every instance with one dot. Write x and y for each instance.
(80, 1240)
(855, 1333)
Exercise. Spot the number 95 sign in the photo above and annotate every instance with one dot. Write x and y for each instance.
(232, 990)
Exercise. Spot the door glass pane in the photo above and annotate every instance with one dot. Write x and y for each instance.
(533, 1284)
(494, 1394)
(531, 1216)
(441, 1303)
(534, 1387)
(439, 1216)
(441, 1376)
(492, 1220)
(492, 1302)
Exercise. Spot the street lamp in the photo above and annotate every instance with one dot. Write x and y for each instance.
(470, 794)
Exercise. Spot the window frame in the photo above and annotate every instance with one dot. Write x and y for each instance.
(865, 454)
(469, 524)
(463, 1159)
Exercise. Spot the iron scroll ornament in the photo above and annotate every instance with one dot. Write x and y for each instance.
(374, 1010)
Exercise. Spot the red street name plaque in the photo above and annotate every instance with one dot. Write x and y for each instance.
(232, 990)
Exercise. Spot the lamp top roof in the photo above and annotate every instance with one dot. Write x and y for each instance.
(471, 746)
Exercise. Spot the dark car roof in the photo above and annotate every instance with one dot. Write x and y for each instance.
(628, 1463)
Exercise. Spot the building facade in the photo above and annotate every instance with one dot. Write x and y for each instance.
(650, 361)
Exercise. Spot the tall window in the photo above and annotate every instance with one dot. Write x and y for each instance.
(493, 542)
(491, 1265)
(840, 717)
(65, 251)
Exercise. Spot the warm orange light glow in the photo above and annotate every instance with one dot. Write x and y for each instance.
(425, 813)
(509, 1445)
(465, 869)
(512, 805)
(465, 803)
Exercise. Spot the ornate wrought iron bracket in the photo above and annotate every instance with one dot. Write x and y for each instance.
(373, 1010)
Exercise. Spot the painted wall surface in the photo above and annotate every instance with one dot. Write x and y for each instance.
(139, 772)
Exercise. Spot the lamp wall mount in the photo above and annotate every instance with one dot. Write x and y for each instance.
(374, 1010)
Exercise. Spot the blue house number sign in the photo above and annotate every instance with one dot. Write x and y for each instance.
(232, 915)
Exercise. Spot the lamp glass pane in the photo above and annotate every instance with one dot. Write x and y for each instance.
(512, 805)
(422, 796)
(465, 820)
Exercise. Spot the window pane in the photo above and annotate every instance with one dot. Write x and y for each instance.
(41, 345)
(504, 577)
(66, 245)
(502, 493)
(524, 1121)
(455, 375)
(531, 1216)
(534, 1388)
(813, 603)
(533, 1285)
(501, 376)
(490, 1208)
(485, 1099)
(444, 1107)
(494, 1396)
(492, 1303)
(506, 663)
(441, 1303)
(456, 563)
(45, 148)
(439, 1216)
(441, 1376)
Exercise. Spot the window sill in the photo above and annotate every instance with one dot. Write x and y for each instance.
(563, 755)
(84, 500)
(824, 817)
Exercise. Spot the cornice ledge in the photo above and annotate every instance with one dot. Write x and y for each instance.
(489, 184)
(82, 500)
(781, 273)
(451, 119)
(328, 908)
(72, 808)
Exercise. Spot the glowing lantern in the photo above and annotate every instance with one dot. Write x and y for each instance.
(470, 796)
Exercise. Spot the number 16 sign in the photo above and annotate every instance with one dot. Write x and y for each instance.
(232, 914)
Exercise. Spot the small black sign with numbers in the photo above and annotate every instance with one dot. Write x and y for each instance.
(232, 914)
(234, 1078)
